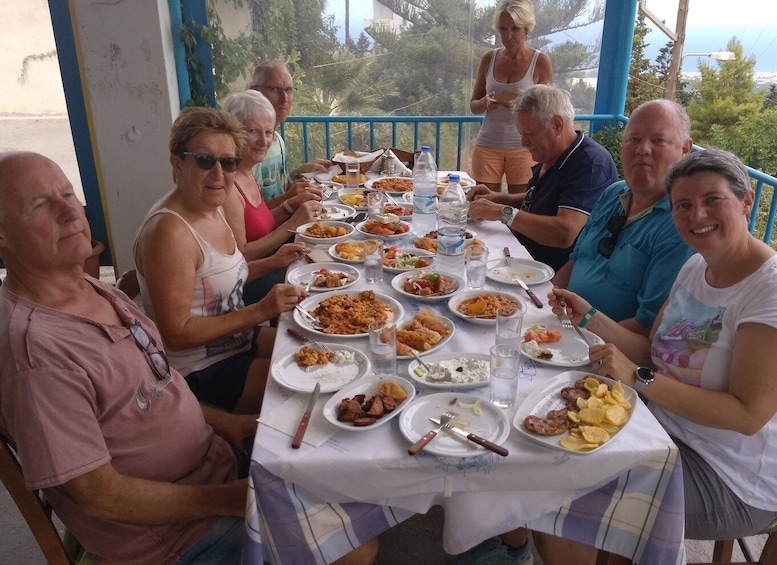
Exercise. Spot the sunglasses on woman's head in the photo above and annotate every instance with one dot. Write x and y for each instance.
(206, 161)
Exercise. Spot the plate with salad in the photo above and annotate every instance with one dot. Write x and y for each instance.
(402, 259)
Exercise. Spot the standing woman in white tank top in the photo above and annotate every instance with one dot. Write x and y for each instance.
(502, 73)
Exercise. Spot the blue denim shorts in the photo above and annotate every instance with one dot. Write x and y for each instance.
(222, 544)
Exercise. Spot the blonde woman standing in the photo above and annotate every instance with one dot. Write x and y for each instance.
(503, 72)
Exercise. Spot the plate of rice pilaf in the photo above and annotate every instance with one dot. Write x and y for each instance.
(349, 313)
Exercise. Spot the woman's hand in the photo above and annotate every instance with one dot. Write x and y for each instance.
(308, 212)
(479, 191)
(302, 191)
(489, 101)
(608, 361)
(577, 307)
(281, 298)
(288, 253)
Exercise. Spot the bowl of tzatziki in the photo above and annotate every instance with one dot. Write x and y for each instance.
(452, 370)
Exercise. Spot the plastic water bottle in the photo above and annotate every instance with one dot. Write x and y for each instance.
(452, 228)
(424, 193)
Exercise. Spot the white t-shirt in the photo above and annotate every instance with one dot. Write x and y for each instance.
(694, 343)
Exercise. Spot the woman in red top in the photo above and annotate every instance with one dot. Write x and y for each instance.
(262, 232)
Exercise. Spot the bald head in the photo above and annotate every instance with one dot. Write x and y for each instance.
(42, 222)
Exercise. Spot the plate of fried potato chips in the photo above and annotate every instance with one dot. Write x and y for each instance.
(576, 412)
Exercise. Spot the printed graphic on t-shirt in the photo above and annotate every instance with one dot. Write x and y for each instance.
(682, 343)
(217, 304)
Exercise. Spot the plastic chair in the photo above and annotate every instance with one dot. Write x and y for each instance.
(32, 505)
(723, 550)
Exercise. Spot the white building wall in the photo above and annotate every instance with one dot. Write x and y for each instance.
(131, 95)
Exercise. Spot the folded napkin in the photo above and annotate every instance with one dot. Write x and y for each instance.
(286, 417)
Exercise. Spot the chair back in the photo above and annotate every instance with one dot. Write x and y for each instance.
(723, 550)
(128, 284)
(33, 507)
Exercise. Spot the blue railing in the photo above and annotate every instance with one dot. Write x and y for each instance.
(360, 132)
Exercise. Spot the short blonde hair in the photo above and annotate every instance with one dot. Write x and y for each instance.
(521, 11)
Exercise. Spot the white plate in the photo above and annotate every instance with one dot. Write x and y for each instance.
(462, 296)
(323, 240)
(415, 252)
(547, 397)
(442, 184)
(336, 212)
(571, 351)
(527, 270)
(361, 230)
(334, 255)
(492, 424)
(370, 184)
(301, 276)
(398, 281)
(367, 386)
(436, 358)
(312, 302)
(334, 186)
(331, 376)
(355, 206)
(447, 321)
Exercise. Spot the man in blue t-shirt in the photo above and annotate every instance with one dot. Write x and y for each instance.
(272, 175)
(571, 172)
(629, 252)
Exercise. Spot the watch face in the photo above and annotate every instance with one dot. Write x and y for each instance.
(507, 213)
(645, 374)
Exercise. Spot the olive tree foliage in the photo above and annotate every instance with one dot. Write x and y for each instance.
(725, 95)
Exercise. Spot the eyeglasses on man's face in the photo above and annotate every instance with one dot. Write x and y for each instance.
(615, 227)
(277, 90)
(206, 161)
(157, 359)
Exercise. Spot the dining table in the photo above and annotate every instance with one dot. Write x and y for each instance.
(343, 487)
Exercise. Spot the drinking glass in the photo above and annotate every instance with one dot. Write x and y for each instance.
(352, 174)
(505, 365)
(374, 203)
(476, 261)
(509, 320)
(383, 348)
(373, 260)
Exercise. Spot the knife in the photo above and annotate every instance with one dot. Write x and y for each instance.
(524, 286)
(303, 425)
(491, 446)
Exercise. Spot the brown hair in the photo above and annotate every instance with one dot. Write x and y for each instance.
(194, 120)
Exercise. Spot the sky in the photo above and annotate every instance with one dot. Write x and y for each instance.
(711, 23)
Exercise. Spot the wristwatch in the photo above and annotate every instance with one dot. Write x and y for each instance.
(508, 215)
(644, 376)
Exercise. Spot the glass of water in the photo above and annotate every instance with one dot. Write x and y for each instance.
(374, 203)
(505, 366)
(383, 348)
(509, 320)
(373, 260)
(476, 261)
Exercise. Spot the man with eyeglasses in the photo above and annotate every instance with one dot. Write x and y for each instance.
(137, 469)
(274, 81)
(629, 252)
(571, 172)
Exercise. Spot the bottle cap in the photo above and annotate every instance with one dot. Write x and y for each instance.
(425, 148)
(453, 178)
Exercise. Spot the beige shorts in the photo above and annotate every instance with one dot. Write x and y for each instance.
(489, 164)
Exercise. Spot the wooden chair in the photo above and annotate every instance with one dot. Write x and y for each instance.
(723, 550)
(128, 283)
(32, 505)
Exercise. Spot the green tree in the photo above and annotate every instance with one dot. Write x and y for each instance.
(770, 99)
(647, 80)
(725, 95)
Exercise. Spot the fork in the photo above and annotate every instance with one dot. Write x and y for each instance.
(303, 339)
(315, 322)
(566, 323)
(445, 419)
